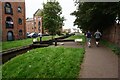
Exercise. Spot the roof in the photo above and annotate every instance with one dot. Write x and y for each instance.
(29, 19)
(12, 0)
(37, 12)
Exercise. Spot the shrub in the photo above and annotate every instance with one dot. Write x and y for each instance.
(116, 50)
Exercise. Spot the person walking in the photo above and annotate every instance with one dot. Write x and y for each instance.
(97, 35)
(88, 36)
(40, 34)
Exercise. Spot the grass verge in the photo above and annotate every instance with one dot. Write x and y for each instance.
(77, 37)
(112, 46)
(19, 43)
(51, 62)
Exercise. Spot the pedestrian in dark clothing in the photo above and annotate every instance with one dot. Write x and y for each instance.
(88, 36)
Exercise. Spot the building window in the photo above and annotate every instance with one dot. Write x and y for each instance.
(20, 21)
(19, 9)
(8, 8)
(20, 33)
(9, 22)
(10, 36)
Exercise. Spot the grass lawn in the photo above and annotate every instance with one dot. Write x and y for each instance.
(50, 62)
(76, 37)
(18, 43)
(47, 37)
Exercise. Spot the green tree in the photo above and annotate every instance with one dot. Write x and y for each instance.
(52, 20)
(96, 15)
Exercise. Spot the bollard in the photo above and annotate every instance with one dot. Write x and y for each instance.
(40, 40)
(55, 42)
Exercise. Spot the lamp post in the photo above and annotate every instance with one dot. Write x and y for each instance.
(40, 34)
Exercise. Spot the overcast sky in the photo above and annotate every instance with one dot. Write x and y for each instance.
(67, 7)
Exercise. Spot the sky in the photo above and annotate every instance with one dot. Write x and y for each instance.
(67, 8)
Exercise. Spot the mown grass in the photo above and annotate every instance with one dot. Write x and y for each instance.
(0, 72)
(76, 37)
(19, 43)
(0, 46)
(50, 62)
(112, 46)
(47, 37)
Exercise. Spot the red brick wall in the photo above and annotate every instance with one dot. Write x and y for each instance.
(118, 35)
(0, 10)
(0, 20)
(112, 34)
(16, 15)
(32, 25)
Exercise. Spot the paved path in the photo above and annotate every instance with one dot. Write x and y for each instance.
(99, 62)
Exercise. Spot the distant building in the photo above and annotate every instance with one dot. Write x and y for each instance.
(37, 21)
(12, 15)
(30, 25)
(72, 30)
(34, 24)
(76, 30)
(67, 30)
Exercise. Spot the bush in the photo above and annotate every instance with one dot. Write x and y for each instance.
(116, 50)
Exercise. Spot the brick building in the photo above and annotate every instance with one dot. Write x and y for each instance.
(30, 25)
(13, 20)
(37, 24)
(34, 24)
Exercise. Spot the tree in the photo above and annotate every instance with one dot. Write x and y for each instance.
(52, 20)
(96, 15)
